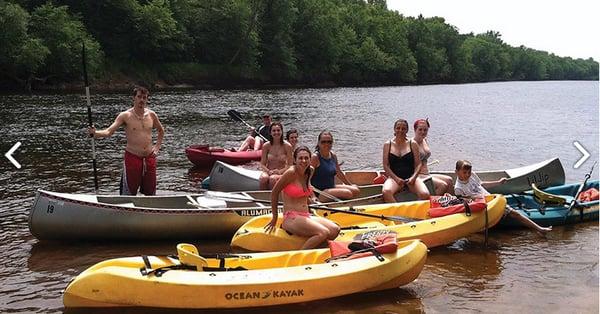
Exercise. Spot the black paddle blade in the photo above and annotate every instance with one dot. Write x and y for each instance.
(235, 115)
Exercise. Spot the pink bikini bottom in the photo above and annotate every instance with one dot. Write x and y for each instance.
(294, 214)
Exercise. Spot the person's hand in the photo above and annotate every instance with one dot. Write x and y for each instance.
(270, 227)
(155, 149)
(503, 180)
(401, 182)
(91, 131)
(412, 180)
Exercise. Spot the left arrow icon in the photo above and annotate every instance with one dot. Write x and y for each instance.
(9, 156)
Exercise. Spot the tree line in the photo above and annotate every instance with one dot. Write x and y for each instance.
(230, 42)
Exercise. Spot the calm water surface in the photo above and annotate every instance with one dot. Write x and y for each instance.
(495, 125)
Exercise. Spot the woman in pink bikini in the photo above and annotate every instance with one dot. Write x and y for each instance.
(295, 185)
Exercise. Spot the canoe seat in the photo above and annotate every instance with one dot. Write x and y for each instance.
(126, 204)
(188, 254)
(208, 202)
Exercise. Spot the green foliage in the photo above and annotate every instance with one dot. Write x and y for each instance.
(159, 37)
(431, 56)
(220, 31)
(63, 35)
(227, 42)
(21, 54)
(317, 34)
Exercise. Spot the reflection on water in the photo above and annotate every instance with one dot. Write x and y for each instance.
(401, 300)
(496, 126)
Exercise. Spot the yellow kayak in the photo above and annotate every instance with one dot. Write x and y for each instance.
(432, 231)
(235, 281)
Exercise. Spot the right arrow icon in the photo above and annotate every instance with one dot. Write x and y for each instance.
(583, 158)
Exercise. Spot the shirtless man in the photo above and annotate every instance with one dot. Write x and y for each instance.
(139, 166)
(276, 158)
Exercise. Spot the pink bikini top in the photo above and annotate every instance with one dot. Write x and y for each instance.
(294, 190)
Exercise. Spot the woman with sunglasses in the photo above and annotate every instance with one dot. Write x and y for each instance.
(276, 158)
(327, 167)
(401, 163)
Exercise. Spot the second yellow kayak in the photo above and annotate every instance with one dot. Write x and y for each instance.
(432, 231)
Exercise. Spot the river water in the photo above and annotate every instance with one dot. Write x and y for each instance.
(494, 125)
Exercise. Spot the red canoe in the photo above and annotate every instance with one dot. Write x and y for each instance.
(205, 156)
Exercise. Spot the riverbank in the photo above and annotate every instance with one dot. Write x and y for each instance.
(121, 83)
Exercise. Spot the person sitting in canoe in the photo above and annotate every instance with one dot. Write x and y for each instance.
(468, 185)
(276, 158)
(401, 163)
(254, 141)
(442, 183)
(327, 167)
(295, 189)
(139, 167)
(292, 137)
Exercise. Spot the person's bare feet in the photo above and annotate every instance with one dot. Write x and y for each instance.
(543, 230)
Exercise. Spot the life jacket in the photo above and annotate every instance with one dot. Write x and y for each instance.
(380, 179)
(588, 195)
(448, 204)
(376, 245)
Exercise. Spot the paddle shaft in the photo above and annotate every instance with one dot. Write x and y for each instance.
(237, 117)
(89, 114)
(333, 210)
(587, 177)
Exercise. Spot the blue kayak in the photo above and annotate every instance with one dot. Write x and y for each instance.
(553, 215)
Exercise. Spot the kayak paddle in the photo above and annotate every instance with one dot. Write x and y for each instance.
(89, 114)
(574, 201)
(223, 195)
(237, 117)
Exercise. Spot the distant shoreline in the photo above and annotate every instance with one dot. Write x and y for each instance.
(161, 86)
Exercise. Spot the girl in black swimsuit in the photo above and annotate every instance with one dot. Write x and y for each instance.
(401, 163)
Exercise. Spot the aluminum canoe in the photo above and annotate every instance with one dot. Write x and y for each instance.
(544, 174)
(86, 216)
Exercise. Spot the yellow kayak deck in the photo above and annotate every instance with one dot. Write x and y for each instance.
(266, 279)
(431, 231)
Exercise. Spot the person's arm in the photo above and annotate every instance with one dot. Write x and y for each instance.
(386, 164)
(285, 179)
(161, 132)
(314, 162)
(264, 158)
(338, 171)
(312, 199)
(417, 158)
(119, 120)
(490, 184)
